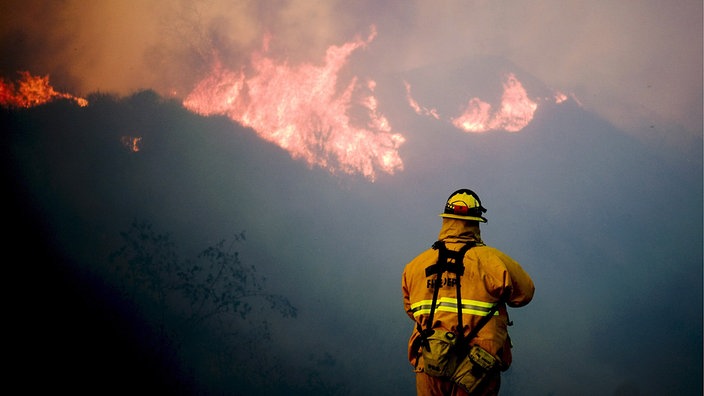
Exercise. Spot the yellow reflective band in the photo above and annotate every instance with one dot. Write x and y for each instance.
(449, 304)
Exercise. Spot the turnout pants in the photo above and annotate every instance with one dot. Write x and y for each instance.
(427, 385)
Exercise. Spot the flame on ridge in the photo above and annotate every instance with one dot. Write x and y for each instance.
(32, 91)
(516, 110)
(515, 113)
(301, 109)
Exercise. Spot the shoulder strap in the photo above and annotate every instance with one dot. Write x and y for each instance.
(459, 260)
(443, 265)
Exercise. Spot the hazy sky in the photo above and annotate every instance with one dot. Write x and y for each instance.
(588, 155)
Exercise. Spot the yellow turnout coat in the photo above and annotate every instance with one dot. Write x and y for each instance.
(490, 277)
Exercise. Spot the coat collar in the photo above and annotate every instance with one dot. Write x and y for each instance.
(455, 230)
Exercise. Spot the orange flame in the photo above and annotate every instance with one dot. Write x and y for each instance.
(301, 110)
(32, 91)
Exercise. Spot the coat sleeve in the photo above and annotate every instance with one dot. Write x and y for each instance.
(504, 278)
(519, 285)
(406, 296)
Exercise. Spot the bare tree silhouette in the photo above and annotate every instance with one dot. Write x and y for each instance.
(212, 309)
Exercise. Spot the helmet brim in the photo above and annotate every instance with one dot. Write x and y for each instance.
(459, 217)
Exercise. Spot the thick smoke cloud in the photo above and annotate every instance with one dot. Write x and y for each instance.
(636, 64)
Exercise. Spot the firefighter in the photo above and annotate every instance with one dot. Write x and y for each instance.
(489, 281)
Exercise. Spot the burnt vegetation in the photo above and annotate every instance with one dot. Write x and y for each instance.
(208, 318)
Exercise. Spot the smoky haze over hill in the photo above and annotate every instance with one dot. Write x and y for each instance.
(610, 230)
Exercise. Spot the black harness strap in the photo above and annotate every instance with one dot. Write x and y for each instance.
(448, 261)
(482, 322)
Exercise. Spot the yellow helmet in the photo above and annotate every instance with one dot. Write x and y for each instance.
(464, 204)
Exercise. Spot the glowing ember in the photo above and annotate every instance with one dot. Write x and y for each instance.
(132, 143)
(301, 109)
(32, 91)
(560, 97)
(516, 111)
